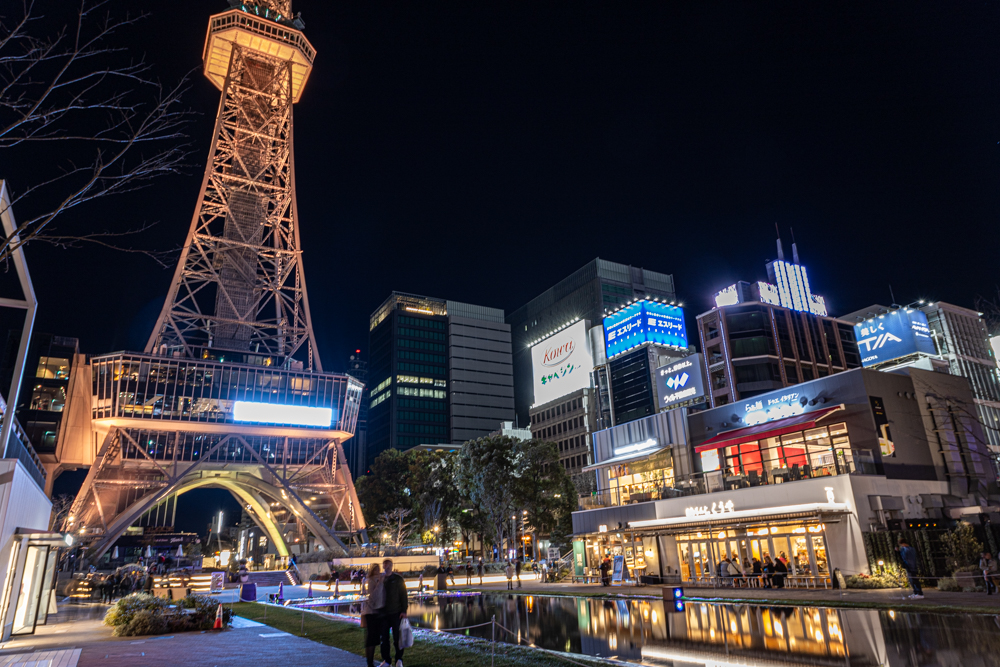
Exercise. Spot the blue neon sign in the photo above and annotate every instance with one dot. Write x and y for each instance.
(644, 322)
(892, 336)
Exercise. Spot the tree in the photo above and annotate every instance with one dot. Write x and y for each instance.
(387, 487)
(70, 90)
(434, 492)
(487, 468)
(61, 505)
(395, 527)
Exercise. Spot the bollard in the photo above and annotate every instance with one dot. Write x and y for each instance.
(493, 639)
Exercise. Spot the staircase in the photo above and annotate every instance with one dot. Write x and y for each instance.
(273, 578)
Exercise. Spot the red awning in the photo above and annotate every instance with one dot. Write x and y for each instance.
(768, 430)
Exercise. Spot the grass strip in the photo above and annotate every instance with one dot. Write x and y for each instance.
(431, 649)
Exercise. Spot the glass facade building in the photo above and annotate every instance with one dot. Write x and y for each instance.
(440, 372)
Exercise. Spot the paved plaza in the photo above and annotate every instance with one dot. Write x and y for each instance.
(75, 637)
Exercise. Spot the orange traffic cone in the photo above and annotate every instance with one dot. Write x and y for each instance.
(218, 618)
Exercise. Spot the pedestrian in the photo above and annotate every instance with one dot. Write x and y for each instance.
(780, 572)
(373, 585)
(989, 567)
(768, 571)
(544, 570)
(480, 567)
(147, 584)
(393, 613)
(517, 571)
(509, 571)
(605, 569)
(451, 573)
(908, 555)
(757, 571)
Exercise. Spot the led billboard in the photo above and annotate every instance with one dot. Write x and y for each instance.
(275, 413)
(644, 322)
(561, 363)
(893, 335)
(680, 381)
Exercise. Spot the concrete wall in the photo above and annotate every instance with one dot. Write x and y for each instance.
(23, 504)
(480, 377)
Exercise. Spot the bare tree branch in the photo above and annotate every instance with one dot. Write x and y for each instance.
(116, 127)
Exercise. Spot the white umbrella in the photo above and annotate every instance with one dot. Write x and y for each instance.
(180, 551)
(114, 556)
(149, 551)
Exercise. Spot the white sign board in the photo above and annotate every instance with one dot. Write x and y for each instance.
(554, 554)
(561, 363)
(218, 581)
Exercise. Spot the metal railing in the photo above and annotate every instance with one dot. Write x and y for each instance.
(861, 462)
(19, 447)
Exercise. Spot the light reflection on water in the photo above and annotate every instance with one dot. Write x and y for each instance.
(651, 632)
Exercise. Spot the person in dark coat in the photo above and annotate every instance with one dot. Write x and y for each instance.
(517, 571)
(396, 604)
(605, 572)
(780, 572)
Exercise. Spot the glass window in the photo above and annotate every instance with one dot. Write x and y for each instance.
(52, 368)
(49, 399)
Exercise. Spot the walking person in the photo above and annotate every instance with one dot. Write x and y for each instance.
(480, 567)
(758, 572)
(517, 571)
(451, 573)
(373, 585)
(393, 613)
(509, 571)
(768, 571)
(908, 555)
(989, 567)
(605, 569)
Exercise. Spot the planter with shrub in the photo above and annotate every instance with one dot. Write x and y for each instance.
(142, 614)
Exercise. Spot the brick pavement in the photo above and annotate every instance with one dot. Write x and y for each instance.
(79, 626)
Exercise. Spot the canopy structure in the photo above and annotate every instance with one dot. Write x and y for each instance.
(768, 430)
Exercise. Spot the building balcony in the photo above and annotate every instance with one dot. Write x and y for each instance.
(861, 462)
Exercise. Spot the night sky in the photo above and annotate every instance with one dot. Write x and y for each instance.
(482, 151)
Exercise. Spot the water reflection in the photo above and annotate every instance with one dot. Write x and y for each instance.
(651, 632)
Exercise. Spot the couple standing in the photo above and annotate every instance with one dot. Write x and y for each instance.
(383, 611)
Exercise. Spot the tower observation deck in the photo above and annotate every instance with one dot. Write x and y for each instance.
(230, 391)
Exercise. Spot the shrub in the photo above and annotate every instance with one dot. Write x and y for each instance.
(893, 577)
(142, 614)
(961, 547)
(948, 584)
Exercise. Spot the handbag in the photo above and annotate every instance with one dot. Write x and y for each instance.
(405, 634)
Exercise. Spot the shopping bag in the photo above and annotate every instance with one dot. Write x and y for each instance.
(405, 634)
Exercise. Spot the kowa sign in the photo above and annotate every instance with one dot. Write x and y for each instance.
(561, 363)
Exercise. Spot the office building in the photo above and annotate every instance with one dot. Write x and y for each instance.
(568, 422)
(963, 342)
(354, 449)
(800, 473)
(768, 335)
(440, 372)
(587, 294)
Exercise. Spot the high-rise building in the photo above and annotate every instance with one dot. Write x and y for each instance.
(440, 372)
(587, 294)
(355, 448)
(767, 335)
(963, 341)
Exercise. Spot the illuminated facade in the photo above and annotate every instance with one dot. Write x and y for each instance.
(763, 336)
(230, 391)
(587, 294)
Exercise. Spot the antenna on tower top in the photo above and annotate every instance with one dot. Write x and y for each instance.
(795, 250)
(781, 252)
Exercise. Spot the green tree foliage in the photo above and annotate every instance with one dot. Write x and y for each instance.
(387, 487)
(961, 547)
(505, 477)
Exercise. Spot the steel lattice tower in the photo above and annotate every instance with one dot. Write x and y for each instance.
(239, 285)
(230, 392)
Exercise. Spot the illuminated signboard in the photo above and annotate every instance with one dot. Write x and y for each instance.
(893, 335)
(792, 282)
(275, 413)
(680, 381)
(561, 363)
(644, 322)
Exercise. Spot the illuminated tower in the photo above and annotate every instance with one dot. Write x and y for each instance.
(230, 391)
(239, 285)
